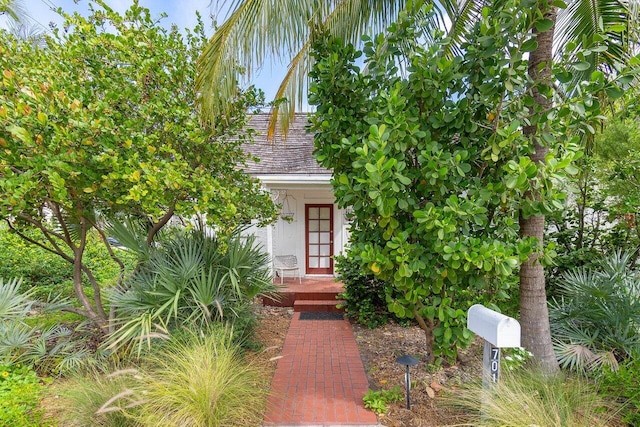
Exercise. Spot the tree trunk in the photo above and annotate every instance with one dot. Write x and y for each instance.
(96, 314)
(534, 314)
(427, 327)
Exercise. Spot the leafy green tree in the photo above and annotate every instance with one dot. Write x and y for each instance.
(103, 122)
(598, 33)
(436, 164)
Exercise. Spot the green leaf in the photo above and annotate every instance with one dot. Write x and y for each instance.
(617, 28)
(581, 66)
(530, 45)
(21, 133)
(614, 92)
(564, 76)
(544, 25)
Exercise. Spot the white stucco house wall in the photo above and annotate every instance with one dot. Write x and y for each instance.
(310, 225)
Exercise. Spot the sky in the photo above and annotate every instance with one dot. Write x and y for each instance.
(180, 12)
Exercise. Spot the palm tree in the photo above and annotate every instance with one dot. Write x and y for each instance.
(12, 8)
(256, 28)
(534, 314)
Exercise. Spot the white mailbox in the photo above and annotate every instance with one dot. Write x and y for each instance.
(500, 330)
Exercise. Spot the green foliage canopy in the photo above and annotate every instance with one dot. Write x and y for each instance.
(104, 119)
(430, 152)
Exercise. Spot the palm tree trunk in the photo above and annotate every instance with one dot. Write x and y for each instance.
(534, 314)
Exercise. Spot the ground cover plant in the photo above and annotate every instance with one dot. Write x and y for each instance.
(20, 392)
(377, 400)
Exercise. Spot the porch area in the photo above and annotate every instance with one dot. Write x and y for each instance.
(317, 294)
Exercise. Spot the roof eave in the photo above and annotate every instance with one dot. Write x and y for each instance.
(295, 180)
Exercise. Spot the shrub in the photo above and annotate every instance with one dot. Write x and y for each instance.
(596, 321)
(40, 270)
(20, 391)
(48, 275)
(622, 385)
(192, 280)
(364, 295)
(529, 397)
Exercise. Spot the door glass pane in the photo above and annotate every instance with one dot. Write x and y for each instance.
(325, 250)
(325, 213)
(313, 262)
(314, 250)
(313, 213)
(325, 225)
(324, 262)
(314, 225)
(324, 237)
(313, 237)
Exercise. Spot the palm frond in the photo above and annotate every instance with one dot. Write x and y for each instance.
(131, 234)
(583, 22)
(14, 9)
(255, 30)
(279, 29)
(599, 310)
(13, 303)
(575, 357)
(463, 17)
(191, 279)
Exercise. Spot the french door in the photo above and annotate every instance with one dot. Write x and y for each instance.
(319, 239)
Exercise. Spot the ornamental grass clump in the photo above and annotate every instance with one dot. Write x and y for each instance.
(102, 399)
(527, 397)
(193, 379)
(202, 380)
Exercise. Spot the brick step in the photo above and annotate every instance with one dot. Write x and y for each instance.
(318, 305)
(310, 296)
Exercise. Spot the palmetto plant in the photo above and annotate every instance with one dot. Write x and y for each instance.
(50, 348)
(194, 279)
(596, 321)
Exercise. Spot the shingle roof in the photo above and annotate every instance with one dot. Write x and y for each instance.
(293, 155)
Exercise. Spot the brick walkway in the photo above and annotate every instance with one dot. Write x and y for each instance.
(320, 379)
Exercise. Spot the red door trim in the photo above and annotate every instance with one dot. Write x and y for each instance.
(310, 270)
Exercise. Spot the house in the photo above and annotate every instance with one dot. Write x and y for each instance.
(310, 226)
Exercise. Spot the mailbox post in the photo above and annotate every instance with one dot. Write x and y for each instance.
(499, 331)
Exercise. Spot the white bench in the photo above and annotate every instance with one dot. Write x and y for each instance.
(282, 263)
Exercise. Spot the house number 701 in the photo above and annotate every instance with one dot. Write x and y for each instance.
(494, 369)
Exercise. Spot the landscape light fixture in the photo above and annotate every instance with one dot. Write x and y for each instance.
(407, 361)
